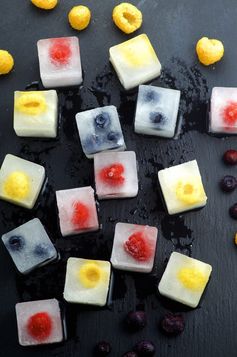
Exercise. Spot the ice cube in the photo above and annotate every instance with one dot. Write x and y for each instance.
(60, 62)
(184, 279)
(36, 113)
(135, 61)
(134, 247)
(20, 181)
(77, 210)
(87, 281)
(29, 246)
(157, 110)
(223, 114)
(100, 130)
(116, 174)
(39, 322)
(182, 187)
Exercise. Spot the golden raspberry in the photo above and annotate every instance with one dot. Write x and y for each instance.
(209, 51)
(127, 17)
(17, 185)
(79, 17)
(45, 4)
(6, 62)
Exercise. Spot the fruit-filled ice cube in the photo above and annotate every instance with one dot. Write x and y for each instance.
(157, 110)
(184, 279)
(77, 210)
(29, 246)
(134, 247)
(87, 281)
(39, 322)
(135, 61)
(60, 62)
(20, 181)
(100, 130)
(223, 111)
(116, 174)
(182, 187)
(36, 113)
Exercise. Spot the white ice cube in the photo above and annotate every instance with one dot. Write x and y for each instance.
(20, 181)
(77, 210)
(60, 62)
(135, 61)
(157, 110)
(39, 322)
(134, 247)
(116, 174)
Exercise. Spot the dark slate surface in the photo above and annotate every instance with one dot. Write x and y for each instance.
(173, 27)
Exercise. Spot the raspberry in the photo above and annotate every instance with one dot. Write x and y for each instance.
(80, 215)
(60, 52)
(230, 157)
(137, 247)
(39, 326)
(112, 175)
(230, 113)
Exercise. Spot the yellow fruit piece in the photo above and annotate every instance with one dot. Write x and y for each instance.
(209, 51)
(79, 17)
(127, 17)
(192, 278)
(189, 191)
(235, 239)
(6, 62)
(45, 4)
(31, 103)
(91, 274)
(17, 185)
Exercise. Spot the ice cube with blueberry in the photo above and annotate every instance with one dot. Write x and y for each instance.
(39, 322)
(29, 246)
(135, 61)
(116, 174)
(134, 247)
(77, 211)
(223, 111)
(60, 62)
(20, 181)
(100, 130)
(157, 111)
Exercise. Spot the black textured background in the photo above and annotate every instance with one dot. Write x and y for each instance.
(173, 28)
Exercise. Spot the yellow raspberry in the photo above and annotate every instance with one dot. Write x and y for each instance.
(31, 103)
(79, 17)
(17, 185)
(209, 51)
(235, 239)
(45, 4)
(6, 62)
(127, 17)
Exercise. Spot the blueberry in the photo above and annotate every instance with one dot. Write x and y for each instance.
(145, 348)
(228, 183)
(233, 211)
(16, 242)
(136, 320)
(112, 136)
(102, 348)
(230, 157)
(41, 249)
(91, 144)
(130, 354)
(172, 324)
(157, 118)
(151, 96)
(102, 120)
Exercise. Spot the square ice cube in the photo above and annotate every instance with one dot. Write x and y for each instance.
(20, 181)
(87, 281)
(182, 187)
(184, 279)
(157, 110)
(36, 113)
(100, 130)
(29, 246)
(60, 62)
(116, 174)
(134, 247)
(135, 61)
(77, 210)
(223, 113)
(39, 322)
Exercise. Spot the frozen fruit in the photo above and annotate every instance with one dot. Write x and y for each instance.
(228, 183)
(102, 348)
(41, 249)
(79, 17)
(230, 113)
(127, 17)
(230, 157)
(113, 174)
(233, 211)
(209, 51)
(137, 247)
(136, 320)
(60, 51)
(39, 326)
(102, 120)
(17, 185)
(157, 118)
(172, 324)
(16, 242)
(145, 348)
(80, 215)
(6, 62)
(45, 4)
(130, 354)
(31, 103)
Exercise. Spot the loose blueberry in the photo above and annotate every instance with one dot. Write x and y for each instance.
(172, 324)
(157, 118)
(16, 242)
(112, 136)
(102, 348)
(228, 183)
(130, 354)
(151, 96)
(136, 320)
(233, 211)
(145, 348)
(102, 120)
(230, 157)
(41, 249)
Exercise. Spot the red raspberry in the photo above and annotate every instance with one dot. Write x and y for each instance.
(137, 247)
(230, 157)
(80, 215)
(39, 326)
(113, 175)
(230, 113)
(60, 52)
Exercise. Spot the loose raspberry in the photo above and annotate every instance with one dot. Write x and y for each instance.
(60, 52)
(80, 215)
(39, 326)
(230, 113)
(113, 175)
(137, 247)
(230, 157)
